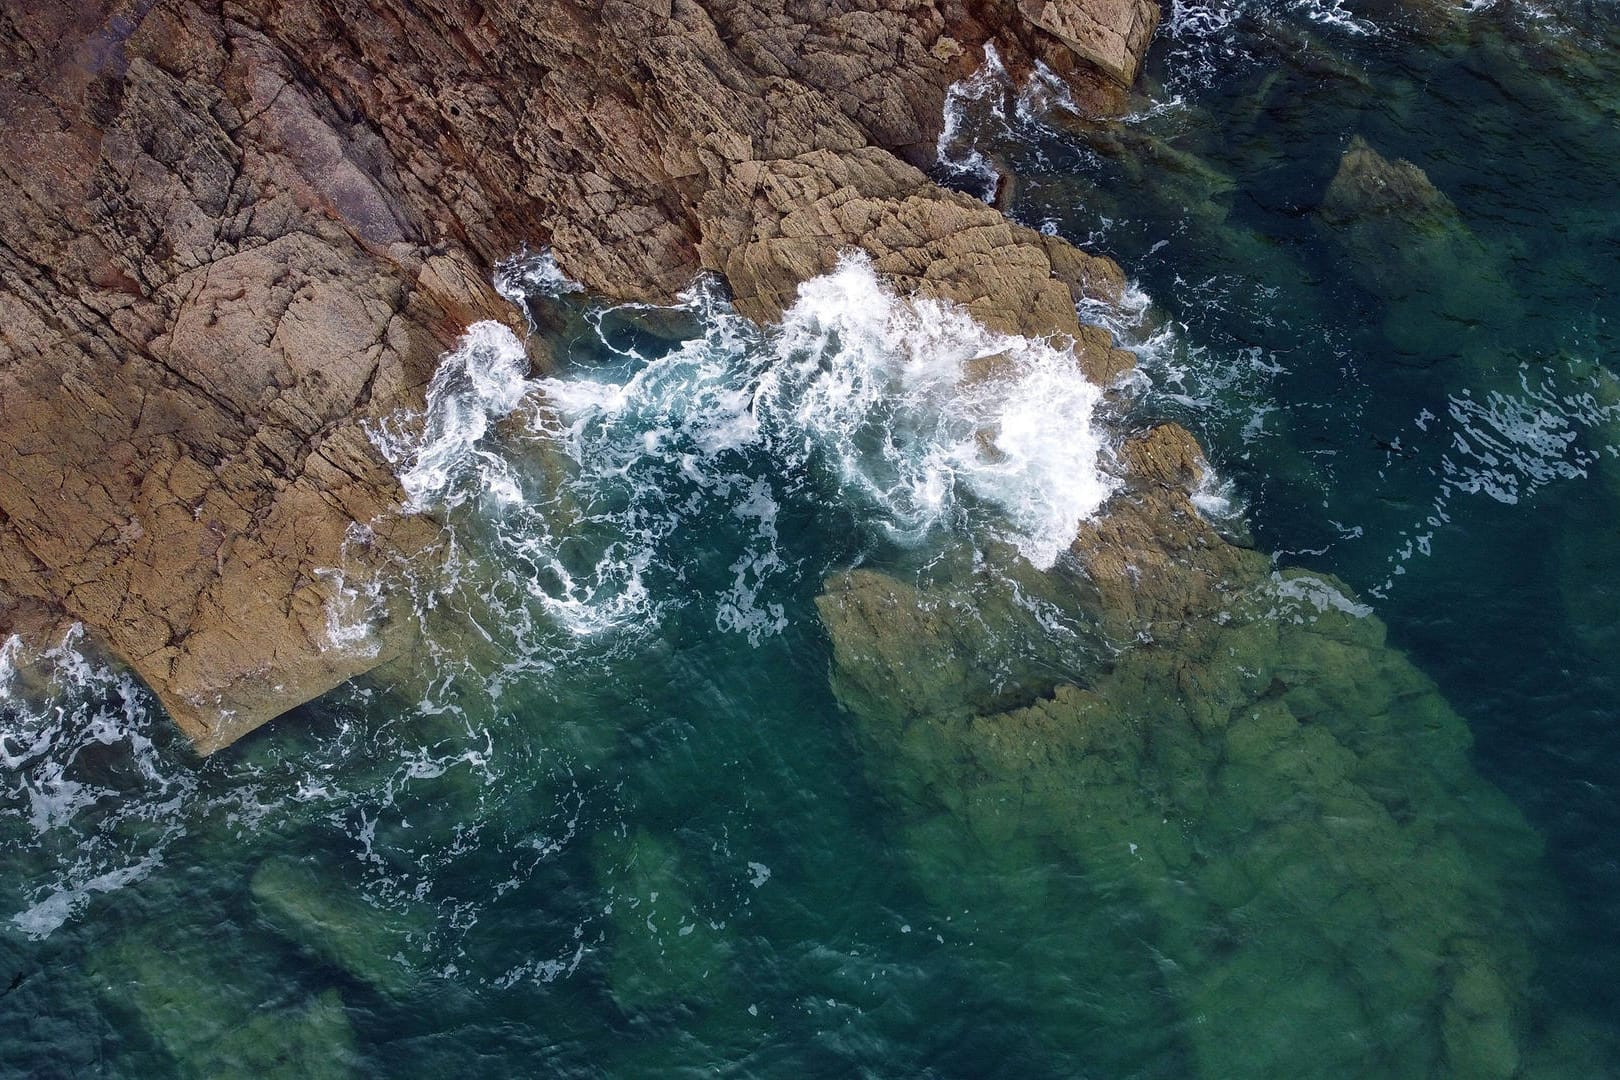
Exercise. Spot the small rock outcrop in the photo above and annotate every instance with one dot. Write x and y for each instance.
(231, 234)
(1445, 293)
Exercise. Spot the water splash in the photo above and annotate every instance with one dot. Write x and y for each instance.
(73, 745)
(918, 418)
(353, 607)
(574, 508)
(919, 408)
(477, 383)
(524, 276)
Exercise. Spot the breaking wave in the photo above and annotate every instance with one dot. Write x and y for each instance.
(921, 409)
(579, 507)
(905, 411)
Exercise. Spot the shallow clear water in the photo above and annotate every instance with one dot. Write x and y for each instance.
(1457, 472)
(608, 817)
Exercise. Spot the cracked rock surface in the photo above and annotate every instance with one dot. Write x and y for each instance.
(230, 233)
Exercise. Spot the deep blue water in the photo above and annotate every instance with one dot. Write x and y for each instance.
(610, 819)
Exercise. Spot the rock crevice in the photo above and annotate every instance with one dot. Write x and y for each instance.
(231, 233)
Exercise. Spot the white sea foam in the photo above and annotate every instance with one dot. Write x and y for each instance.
(1130, 322)
(1216, 498)
(481, 380)
(916, 406)
(1189, 18)
(643, 447)
(1169, 369)
(83, 836)
(62, 902)
(524, 276)
(968, 103)
(95, 792)
(1507, 446)
(1305, 594)
(987, 108)
(353, 606)
(1212, 40)
(1332, 13)
(1505, 442)
(1554, 424)
(921, 418)
(10, 652)
(740, 608)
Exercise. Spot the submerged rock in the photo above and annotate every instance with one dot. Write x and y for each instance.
(1367, 184)
(1447, 296)
(325, 914)
(1326, 881)
(312, 1041)
(1407, 245)
(662, 951)
(213, 1021)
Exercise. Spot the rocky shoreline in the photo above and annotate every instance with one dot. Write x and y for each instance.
(234, 234)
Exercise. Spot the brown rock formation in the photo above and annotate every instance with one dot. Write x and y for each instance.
(206, 283)
(231, 232)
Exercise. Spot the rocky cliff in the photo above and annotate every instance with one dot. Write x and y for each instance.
(232, 233)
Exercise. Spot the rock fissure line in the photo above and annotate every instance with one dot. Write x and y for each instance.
(244, 229)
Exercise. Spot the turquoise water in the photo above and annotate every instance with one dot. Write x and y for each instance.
(609, 817)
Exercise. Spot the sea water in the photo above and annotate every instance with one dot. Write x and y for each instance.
(607, 816)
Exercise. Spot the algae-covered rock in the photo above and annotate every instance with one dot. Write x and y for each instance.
(1407, 245)
(328, 916)
(1368, 184)
(662, 950)
(1280, 803)
(213, 1019)
(312, 1041)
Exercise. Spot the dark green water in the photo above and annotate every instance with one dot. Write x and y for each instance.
(611, 820)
